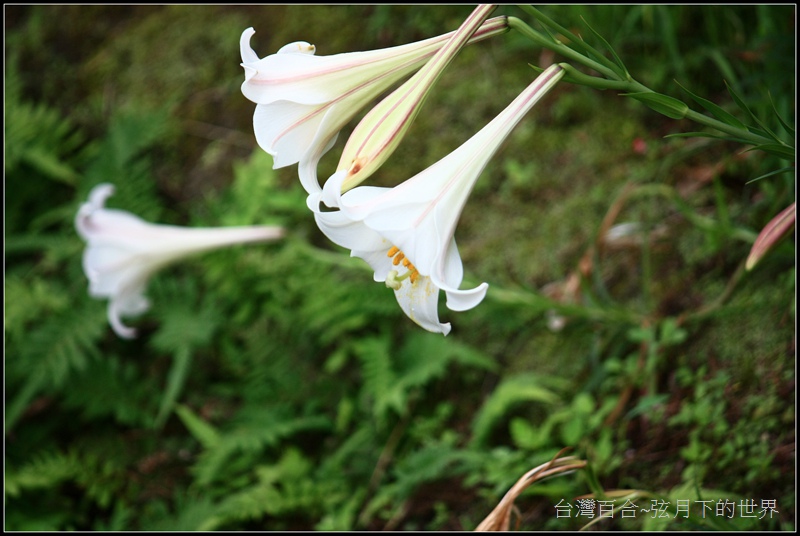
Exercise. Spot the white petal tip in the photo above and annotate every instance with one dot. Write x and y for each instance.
(463, 300)
(122, 331)
(99, 194)
(248, 54)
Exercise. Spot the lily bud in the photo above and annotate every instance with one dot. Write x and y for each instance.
(380, 132)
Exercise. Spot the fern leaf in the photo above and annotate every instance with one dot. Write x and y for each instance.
(53, 352)
(44, 470)
(379, 376)
(250, 435)
(523, 388)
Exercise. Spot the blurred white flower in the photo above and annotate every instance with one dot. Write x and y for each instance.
(123, 251)
(410, 227)
(303, 100)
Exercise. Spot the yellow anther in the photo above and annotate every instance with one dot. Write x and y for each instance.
(394, 280)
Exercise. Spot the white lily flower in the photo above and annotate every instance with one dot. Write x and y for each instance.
(380, 132)
(303, 100)
(123, 251)
(410, 228)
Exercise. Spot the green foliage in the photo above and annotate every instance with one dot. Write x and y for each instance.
(277, 387)
(512, 391)
(38, 138)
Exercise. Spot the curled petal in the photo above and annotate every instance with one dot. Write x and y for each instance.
(420, 303)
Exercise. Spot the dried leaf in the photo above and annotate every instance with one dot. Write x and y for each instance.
(499, 519)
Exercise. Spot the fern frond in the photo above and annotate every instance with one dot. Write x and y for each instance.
(63, 345)
(251, 433)
(44, 470)
(112, 387)
(426, 356)
(118, 158)
(379, 377)
(28, 299)
(38, 136)
(517, 389)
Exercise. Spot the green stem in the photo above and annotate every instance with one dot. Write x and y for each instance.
(561, 48)
(576, 77)
(612, 315)
(742, 134)
(577, 41)
(612, 79)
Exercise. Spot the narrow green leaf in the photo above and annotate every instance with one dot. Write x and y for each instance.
(758, 132)
(740, 102)
(206, 434)
(707, 135)
(671, 107)
(16, 407)
(789, 129)
(721, 62)
(715, 110)
(767, 129)
(771, 173)
(623, 70)
(781, 151)
(175, 380)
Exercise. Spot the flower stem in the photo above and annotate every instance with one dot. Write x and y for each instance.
(556, 46)
(611, 78)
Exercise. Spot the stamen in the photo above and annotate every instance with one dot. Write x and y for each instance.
(393, 280)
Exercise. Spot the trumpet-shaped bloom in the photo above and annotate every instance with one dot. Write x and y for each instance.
(380, 132)
(406, 233)
(304, 100)
(123, 251)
